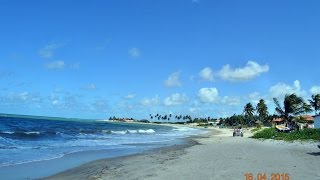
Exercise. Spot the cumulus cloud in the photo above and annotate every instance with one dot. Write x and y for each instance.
(130, 96)
(206, 74)
(175, 99)
(315, 90)
(250, 71)
(208, 95)
(281, 89)
(256, 96)
(134, 52)
(232, 101)
(48, 50)
(55, 65)
(173, 80)
(150, 101)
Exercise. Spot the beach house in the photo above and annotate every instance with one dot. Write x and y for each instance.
(304, 121)
(278, 121)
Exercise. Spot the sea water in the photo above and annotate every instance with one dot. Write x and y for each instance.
(56, 145)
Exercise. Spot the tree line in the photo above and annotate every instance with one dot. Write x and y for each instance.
(291, 107)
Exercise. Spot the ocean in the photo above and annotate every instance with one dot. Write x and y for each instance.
(27, 143)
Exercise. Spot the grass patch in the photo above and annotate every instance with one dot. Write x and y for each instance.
(272, 133)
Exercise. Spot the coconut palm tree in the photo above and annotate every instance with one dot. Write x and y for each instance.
(315, 103)
(248, 109)
(292, 105)
(262, 110)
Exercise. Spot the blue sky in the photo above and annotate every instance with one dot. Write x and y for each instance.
(131, 58)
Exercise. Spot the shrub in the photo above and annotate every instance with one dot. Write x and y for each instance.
(272, 133)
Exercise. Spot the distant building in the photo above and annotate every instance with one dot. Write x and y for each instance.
(278, 121)
(305, 121)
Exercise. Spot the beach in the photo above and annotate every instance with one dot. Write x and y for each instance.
(215, 155)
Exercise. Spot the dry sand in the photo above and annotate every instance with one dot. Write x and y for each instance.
(214, 156)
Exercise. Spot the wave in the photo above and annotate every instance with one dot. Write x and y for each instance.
(7, 132)
(26, 134)
(183, 129)
(32, 132)
(139, 131)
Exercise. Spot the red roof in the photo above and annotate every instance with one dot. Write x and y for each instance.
(277, 120)
(307, 118)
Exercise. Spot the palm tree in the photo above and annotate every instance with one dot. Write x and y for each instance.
(292, 105)
(315, 103)
(262, 110)
(248, 109)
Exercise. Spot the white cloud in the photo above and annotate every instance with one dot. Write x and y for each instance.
(55, 102)
(23, 98)
(206, 74)
(67, 101)
(26, 96)
(256, 96)
(100, 106)
(91, 86)
(232, 101)
(250, 71)
(130, 96)
(173, 80)
(134, 52)
(175, 99)
(54, 65)
(208, 95)
(281, 89)
(315, 90)
(48, 50)
(150, 101)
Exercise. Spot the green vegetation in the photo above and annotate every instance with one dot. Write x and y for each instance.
(292, 105)
(255, 129)
(248, 110)
(272, 133)
(203, 125)
(262, 110)
(315, 102)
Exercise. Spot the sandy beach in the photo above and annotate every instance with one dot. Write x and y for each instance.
(216, 155)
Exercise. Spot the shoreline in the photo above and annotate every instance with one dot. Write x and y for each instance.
(214, 155)
(94, 169)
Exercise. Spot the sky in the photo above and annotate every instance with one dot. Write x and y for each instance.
(96, 59)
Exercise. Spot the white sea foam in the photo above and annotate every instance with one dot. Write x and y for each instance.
(129, 131)
(149, 131)
(32, 132)
(8, 132)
